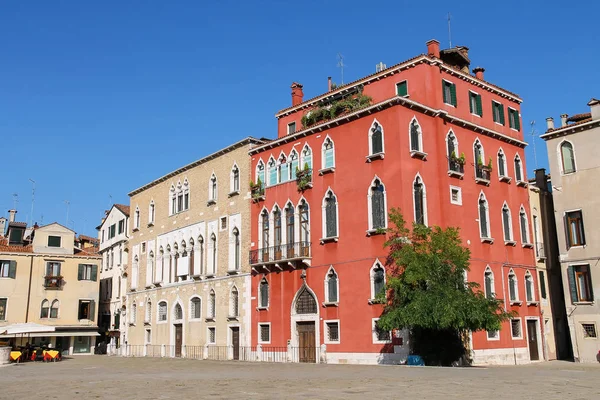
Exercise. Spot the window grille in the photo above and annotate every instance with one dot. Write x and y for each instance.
(306, 303)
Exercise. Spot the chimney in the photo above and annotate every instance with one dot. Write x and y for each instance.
(550, 123)
(433, 48)
(11, 215)
(2, 226)
(563, 119)
(594, 108)
(297, 94)
(479, 73)
(329, 84)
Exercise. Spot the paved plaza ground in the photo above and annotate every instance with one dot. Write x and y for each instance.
(102, 377)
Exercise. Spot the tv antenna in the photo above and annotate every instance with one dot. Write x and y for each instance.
(532, 123)
(68, 203)
(449, 31)
(15, 200)
(341, 65)
(32, 199)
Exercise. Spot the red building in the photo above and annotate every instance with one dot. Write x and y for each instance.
(444, 146)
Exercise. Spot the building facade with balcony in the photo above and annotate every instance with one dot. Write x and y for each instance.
(189, 278)
(574, 165)
(426, 136)
(46, 280)
(113, 236)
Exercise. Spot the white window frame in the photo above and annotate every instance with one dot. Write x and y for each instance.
(530, 278)
(522, 181)
(148, 312)
(232, 189)
(489, 269)
(326, 287)
(211, 307)
(374, 333)
(559, 157)
(506, 177)
(526, 241)
(459, 190)
(231, 313)
(475, 156)
(508, 108)
(192, 317)
(148, 332)
(257, 172)
(480, 99)
(133, 314)
(158, 320)
(396, 87)
(371, 154)
(372, 278)
(520, 337)
(487, 217)
(259, 294)
(326, 339)
(324, 167)
(421, 151)
(301, 157)
(412, 191)
(289, 125)
(137, 218)
(494, 338)
(213, 194)
(511, 240)
(454, 84)
(174, 313)
(324, 237)
(208, 329)
(151, 212)
(260, 339)
(268, 169)
(371, 230)
(517, 299)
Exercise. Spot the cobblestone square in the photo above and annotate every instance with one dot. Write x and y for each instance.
(101, 377)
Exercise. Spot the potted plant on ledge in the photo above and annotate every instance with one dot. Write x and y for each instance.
(257, 190)
(304, 178)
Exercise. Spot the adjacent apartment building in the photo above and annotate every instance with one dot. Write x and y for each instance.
(113, 236)
(46, 279)
(574, 167)
(427, 136)
(188, 282)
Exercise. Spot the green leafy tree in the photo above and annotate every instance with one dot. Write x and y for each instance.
(428, 294)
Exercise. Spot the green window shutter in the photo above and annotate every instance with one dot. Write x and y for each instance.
(12, 269)
(446, 100)
(479, 109)
(94, 272)
(501, 107)
(401, 89)
(590, 284)
(92, 310)
(453, 94)
(572, 284)
(48, 269)
(80, 272)
(567, 231)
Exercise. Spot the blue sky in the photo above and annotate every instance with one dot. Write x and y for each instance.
(98, 98)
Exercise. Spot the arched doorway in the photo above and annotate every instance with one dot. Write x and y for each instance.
(305, 325)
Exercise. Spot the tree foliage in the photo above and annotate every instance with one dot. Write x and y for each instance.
(427, 291)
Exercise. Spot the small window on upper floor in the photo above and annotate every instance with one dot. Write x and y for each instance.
(54, 241)
(567, 156)
(449, 91)
(513, 119)
(291, 128)
(121, 226)
(402, 88)
(498, 112)
(574, 229)
(475, 104)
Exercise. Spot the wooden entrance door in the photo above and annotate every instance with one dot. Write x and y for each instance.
(532, 336)
(235, 342)
(306, 342)
(178, 340)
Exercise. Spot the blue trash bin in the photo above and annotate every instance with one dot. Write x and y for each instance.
(415, 360)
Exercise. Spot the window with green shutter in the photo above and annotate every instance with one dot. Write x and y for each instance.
(580, 283)
(498, 112)
(87, 272)
(53, 241)
(475, 103)
(402, 88)
(449, 92)
(513, 119)
(8, 269)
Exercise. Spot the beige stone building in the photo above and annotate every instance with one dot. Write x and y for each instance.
(46, 279)
(575, 167)
(189, 276)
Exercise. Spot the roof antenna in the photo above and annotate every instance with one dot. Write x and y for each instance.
(68, 203)
(449, 31)
(532, 123)
(341, 65)
(15, 200)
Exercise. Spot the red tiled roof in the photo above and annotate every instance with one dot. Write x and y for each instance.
(579, 117)
(88, 238)
(15, 248)
(123, 208)
(88, 251)
(583, 121)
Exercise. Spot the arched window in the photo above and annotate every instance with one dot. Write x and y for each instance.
(272, 171)
(293, 164)
(137, 218)
(377, 205)
(567, 156)
(234, 302)
(162, 311)
(306, 303)
(304, 222)
(148, 318)
(518, 169)
(490, 292)
(376, 138)
(283, 174)
(529, 292)
(150, 268)
(173, 198)
(507, 223)
(484, 224)
(151, 212)
(331, 211)
(260, 173)
(416, 140)
(377, 280)
(290, 229)
(45, 309)
(277, 228)
(479, 157)
(195, 308)
(307, 157)
(513, 289)
(453, 156)
(213, 239)
(201, 251)
(54, 309)
(133, 315)
(178, 312)
(419, 201)
(501, 164)
(265, 228)
(186, 195)
(328, 154)
(213, 188)
(524, 226)
(212, 306)
(263, 295)
(192, 256)
(235, 179)
(332, 286)
(236, 247)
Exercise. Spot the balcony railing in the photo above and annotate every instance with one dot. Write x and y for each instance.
(482, 174)
(455, 168)
(282, 252)
(53, 282)
(257, 192)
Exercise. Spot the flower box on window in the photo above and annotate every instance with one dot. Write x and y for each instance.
(304, 178)
(257, 191)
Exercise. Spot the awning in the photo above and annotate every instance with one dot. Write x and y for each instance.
(56, 334)
(25, 329)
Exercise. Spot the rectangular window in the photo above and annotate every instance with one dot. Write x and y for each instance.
(162, 311)
(143, 247)
(3, 303)
(291, 128)
(580, 283)
(333, 331)
(82, 344)
(8, 269)
(513, 119)
(148, 336)
(121, 226)
(380, 335)
(402, 88)
(186, 203)
(86, 310)
(53, 241)
(515, 328)
(87, 272)
(475, 104)
(212, 335)
(493, 335)
(53, 269)
(223, 223)
(589, 331)
(542, 285)
(265, 333)
(111, 231)
(498, 112)
(449, 91)
(455, 195)
(574, 227)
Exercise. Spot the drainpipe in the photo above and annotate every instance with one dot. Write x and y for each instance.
(29, 290)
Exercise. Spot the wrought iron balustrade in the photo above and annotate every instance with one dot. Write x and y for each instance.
(455, 166)
(482, 172)
(282, 252)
